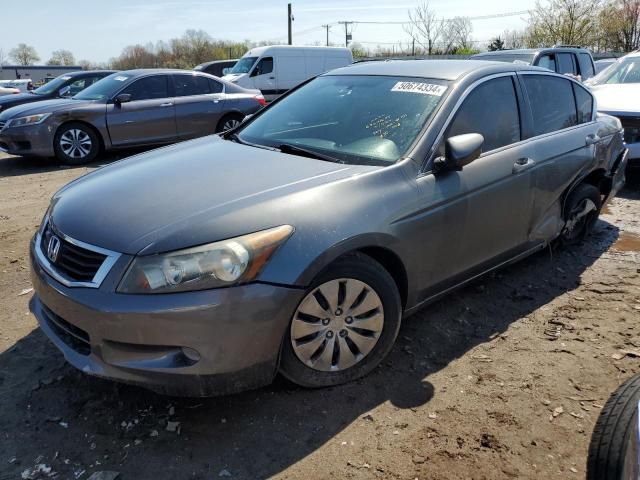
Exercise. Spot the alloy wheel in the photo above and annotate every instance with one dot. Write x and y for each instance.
(229, 124)
(579, 218)
(75, 143)
(337, 324)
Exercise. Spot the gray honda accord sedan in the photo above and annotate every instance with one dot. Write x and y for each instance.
(127, 109)
(296, 242)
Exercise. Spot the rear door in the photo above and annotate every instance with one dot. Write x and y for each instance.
(149, 117)
(564, 136)
(483, 211)
(199, 104)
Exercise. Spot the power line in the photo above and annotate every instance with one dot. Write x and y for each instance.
(479, 17)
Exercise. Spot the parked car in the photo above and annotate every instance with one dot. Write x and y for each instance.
(617, 91)
(8, 91)
(126, 109)
(604, 63)
(25, 85)
(296, 242)
(66, 85)
(568, 60)
(217, 68)
(276, 69)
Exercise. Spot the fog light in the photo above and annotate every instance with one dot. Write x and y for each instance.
(191, 354)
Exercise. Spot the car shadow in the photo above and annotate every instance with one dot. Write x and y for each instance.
(53, 411)
(13, 166)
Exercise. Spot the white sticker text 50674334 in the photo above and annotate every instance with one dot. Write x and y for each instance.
(420, 87)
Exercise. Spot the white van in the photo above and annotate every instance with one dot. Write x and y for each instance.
(276, 69)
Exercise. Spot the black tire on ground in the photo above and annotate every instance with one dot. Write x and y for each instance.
(365, 269)
(609, 450)
(575, 202)
(226, 122)
(86, 148)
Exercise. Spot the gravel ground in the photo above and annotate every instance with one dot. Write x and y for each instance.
(502, 379)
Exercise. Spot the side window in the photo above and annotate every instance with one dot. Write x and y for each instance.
(552, 103)
(491, 109)
(78, 86)
(547, 61)
(565, 63)
(584, 102)
(215, 87)
(148, 88)
(265, 65)
(188, 85)
(586, 65)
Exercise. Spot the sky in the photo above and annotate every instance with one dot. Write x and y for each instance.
(97, 30)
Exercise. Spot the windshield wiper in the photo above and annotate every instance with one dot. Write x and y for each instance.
(303, 152)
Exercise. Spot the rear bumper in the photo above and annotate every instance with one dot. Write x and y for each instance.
(36, 140)
(150, 340)
(617, 176)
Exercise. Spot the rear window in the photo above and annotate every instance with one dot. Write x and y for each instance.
(552, 103)
(188, 85)
(518, 58)
(586, 65)
(584, 103)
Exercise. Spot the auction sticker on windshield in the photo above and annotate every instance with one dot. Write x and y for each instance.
(420, 87)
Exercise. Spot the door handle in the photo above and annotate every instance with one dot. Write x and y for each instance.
(592, 139)
(523, 164)
(168, 104)
(272, 78)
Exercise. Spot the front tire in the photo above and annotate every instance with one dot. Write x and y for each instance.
(582, 209)
(76, 144)
(613, 451)
(345, 325)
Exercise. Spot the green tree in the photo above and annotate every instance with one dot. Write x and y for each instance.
(496, 44)
(62, 57)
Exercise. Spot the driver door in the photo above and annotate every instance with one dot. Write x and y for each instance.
(150, 116)
(481, 214)
(264, 78)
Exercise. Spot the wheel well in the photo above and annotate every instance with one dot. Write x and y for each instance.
(598, 179)
(86, 124)
(234, 113)
(392, 264)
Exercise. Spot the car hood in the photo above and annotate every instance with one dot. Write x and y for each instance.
(45, 106)
(21, 98)
(617, 98)
(189, 194)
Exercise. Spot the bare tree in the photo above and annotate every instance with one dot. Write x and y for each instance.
(513, 39)
(62, 57)
(24, 55)
(569, 22)
(456, 35)
(424, 27)
(3, 58)
(619, 23)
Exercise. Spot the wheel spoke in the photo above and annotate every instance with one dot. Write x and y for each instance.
(346, 358)
(370, 302)
(353, 289)
(324, 361)
(330, 292)
(363, 342)
(310, 306)
(301, 328)
(373, 323)
(306, 349)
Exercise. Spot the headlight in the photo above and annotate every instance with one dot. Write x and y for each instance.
(30, 120)
(220, 264)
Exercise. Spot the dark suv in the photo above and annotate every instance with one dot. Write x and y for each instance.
(567, 59)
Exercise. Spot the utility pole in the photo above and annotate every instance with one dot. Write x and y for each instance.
(413, 48)
(289, 20)
(327, 27)
(347, 36)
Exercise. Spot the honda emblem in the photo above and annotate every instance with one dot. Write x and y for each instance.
(53, 248)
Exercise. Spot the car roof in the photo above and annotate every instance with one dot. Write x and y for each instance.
(440, 69)
(530, 51)
(85, 72)
(206, 64)
(139, 72)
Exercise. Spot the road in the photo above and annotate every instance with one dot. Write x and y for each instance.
(502, 379)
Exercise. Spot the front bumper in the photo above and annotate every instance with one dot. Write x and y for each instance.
(35, 140)
(139, 339)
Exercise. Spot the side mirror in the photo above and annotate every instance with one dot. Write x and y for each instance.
(122, 98)
(256, 71)
(459, 151)
(64, 91)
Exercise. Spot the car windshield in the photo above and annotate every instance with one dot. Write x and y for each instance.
(369, 120)
(626, 70)
(52, 86)
(243, 65)
(518, 58)
(103, 89)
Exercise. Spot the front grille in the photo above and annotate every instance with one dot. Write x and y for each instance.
(73, 336)
(74, 262)
(631, 127)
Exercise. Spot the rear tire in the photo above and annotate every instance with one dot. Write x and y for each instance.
(229, 121)
(612, 455)
(581, 212)
(357, 343)
(76, 143)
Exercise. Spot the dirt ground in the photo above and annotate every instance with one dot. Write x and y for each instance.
(503, 379)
